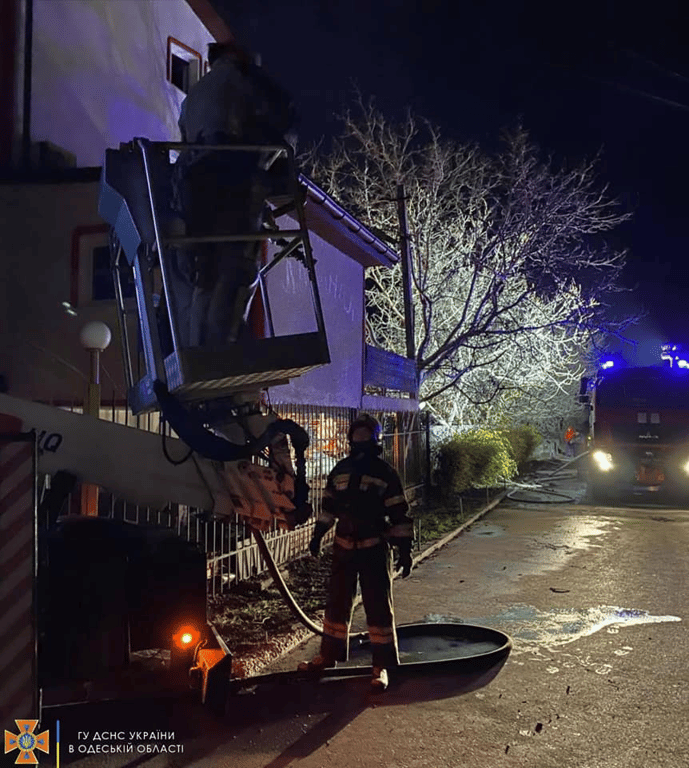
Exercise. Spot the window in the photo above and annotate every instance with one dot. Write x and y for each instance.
(91, 275)
(179, 73)
(184, 65)
(102, 285)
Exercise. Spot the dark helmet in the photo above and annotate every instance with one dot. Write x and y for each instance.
(227, 48)
(365, 420)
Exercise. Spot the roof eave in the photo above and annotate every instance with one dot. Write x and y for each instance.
(342, 229)
(211, 19)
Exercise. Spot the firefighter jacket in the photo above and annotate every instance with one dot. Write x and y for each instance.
(235, 102)
(365, 495)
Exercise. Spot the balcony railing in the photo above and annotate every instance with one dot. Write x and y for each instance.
(389, 373)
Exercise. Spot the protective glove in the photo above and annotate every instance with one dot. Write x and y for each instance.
(404, 562)
(319, 532)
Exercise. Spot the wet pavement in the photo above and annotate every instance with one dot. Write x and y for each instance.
(596, 602)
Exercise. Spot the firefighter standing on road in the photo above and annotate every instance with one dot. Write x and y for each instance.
(365, 494)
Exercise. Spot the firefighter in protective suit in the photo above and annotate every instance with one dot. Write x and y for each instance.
(224, 192)
(365, 495)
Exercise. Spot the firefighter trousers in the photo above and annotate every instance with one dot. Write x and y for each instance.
(372, 568)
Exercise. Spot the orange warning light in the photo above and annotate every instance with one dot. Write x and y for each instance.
(186, 636)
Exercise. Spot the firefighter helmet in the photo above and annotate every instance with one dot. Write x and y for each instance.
(366, 421)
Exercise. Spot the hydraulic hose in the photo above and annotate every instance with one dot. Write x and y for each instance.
(563, 498)
(280, 584)
(194, 433)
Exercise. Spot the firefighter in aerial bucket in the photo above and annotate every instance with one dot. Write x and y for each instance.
(365, 495)
(221, 192)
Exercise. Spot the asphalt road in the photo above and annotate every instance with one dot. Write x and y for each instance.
(596, 601)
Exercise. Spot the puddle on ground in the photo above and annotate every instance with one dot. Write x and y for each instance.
(485, 530)
(439, 618)
(529, 626)
(574, 533)
(544, 551)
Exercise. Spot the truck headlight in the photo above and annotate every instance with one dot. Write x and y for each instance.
(685, 466)
(603, 460)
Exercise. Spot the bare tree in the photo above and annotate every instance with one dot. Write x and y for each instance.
(510, 269)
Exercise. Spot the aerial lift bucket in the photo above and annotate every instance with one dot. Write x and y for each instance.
(135, 199)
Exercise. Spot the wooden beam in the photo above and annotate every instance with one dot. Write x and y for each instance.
(211, 19)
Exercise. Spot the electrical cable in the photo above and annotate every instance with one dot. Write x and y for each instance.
(174, 462)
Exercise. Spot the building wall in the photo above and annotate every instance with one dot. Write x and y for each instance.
(341, 287)
(100, 78)
(100, 72)
(9, 28)
(40, 354)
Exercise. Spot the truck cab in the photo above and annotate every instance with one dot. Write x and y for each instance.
(640, 432)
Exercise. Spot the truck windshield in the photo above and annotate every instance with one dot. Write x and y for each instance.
(644, 389)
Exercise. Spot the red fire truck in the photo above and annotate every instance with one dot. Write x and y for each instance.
(640, 431)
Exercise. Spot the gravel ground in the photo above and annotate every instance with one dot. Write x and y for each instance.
(255, 622)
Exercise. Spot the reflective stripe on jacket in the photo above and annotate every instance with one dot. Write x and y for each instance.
(367, 499)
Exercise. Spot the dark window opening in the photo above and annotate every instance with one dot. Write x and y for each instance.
(180, 71)
(103, 288)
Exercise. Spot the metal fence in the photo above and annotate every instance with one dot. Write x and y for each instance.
(232, 555)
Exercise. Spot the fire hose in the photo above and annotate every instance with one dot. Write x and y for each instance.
(534, 489)
(280, 583)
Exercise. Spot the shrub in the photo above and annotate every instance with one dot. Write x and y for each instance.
(523, 441)
(478, 458)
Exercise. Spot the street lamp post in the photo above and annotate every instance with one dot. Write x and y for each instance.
(95, 337)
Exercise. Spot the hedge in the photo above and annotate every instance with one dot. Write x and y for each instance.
(484, 458)
(523, 441)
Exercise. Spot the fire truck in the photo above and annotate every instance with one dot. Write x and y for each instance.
(639, 420)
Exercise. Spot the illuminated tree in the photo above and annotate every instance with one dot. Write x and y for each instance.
(509, 266)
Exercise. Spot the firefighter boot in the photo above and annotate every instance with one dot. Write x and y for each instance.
(379, 681)
(317, 664)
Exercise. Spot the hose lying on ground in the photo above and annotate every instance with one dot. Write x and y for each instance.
(562, 498)
(280, 584)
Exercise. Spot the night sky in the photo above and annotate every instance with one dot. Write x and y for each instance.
(473, 68)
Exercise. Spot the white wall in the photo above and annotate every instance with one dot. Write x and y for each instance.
(99, 72)
(340, 282)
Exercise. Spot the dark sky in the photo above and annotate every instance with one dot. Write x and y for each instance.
(475, 67)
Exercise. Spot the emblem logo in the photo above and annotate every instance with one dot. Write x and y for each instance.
(26, 741)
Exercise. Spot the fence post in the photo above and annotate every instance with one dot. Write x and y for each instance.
(428, 453)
